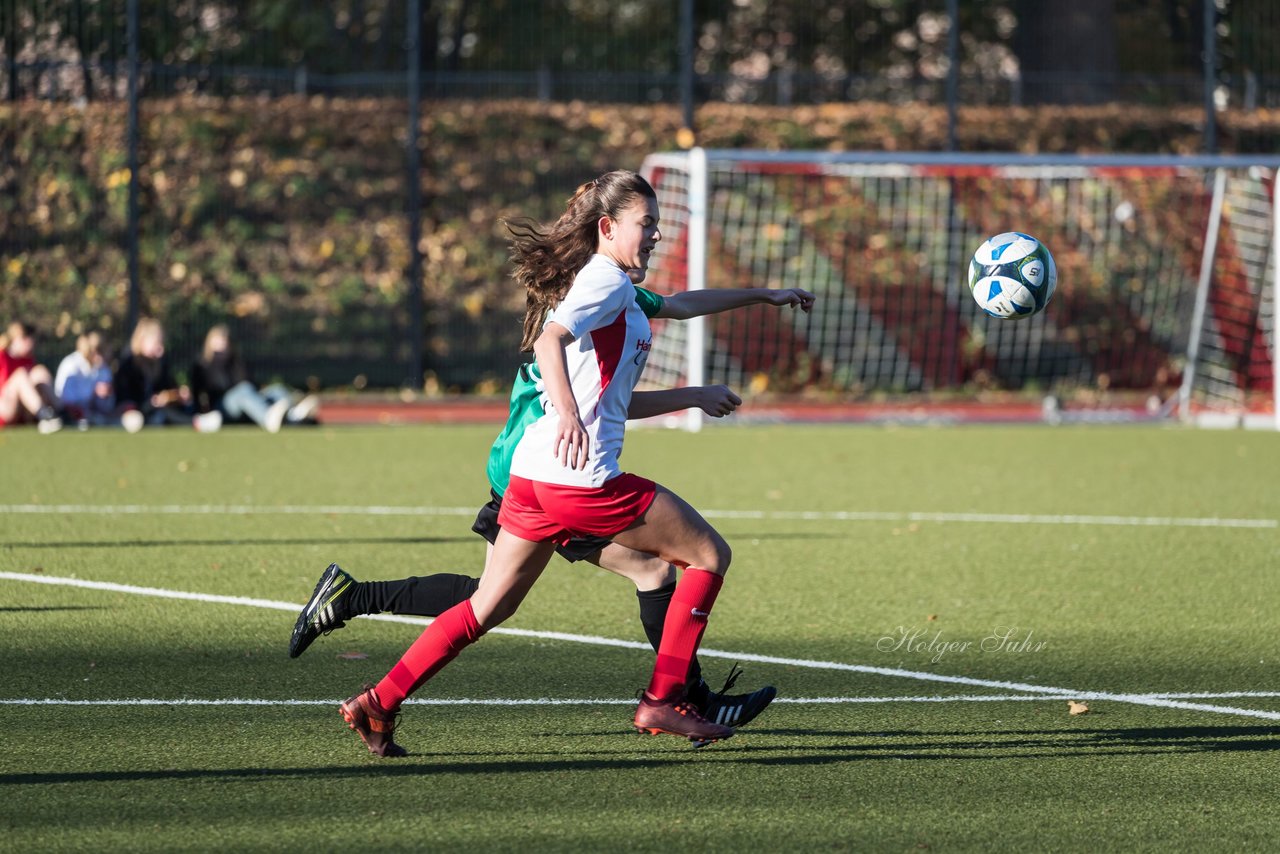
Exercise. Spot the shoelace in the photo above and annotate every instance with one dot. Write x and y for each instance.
(734, 673)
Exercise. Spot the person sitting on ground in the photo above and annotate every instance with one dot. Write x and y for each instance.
(220, 382)
(84, 383)
(144, 380)
(26, 392)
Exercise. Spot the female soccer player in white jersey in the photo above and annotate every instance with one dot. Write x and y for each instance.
(565, 477)
(338, 597)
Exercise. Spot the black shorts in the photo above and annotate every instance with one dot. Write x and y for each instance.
(579, 548)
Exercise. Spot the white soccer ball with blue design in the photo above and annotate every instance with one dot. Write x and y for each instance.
(1012, 276)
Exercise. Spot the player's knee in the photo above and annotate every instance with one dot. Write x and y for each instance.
(654, 573)
(725, 556)
(39, 375)
(716, 555)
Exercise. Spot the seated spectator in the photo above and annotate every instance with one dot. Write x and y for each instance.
(220, 383)
(145, 381)
(84, 385)
(26, 393)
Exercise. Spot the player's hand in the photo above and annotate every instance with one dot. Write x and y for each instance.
(792, 297)
(572, 445)
(718, 400)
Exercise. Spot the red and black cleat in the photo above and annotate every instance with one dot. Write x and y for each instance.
(677, 716)
(375, 726)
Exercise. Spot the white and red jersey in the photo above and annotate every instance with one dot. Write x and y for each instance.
(611, 346)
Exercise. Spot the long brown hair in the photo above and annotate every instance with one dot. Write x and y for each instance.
(547, 260)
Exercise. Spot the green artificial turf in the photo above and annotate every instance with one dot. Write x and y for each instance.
(875, 572)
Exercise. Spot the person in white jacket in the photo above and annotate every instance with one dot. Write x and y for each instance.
(84, 384)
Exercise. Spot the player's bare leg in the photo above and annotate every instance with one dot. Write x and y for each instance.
(674, 531)
(29, 392)
(513, 568)
(655, 581)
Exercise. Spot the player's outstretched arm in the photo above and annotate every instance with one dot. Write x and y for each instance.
(715, 400)
(683, 306)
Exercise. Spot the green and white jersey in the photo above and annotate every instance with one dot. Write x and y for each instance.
(526, 406)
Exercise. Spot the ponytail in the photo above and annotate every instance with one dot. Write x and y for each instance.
(546, 260)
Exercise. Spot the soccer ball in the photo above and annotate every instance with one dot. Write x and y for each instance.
(1012, 276)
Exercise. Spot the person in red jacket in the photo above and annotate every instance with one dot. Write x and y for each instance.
(26, 389)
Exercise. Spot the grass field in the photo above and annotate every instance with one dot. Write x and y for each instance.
(875, 572)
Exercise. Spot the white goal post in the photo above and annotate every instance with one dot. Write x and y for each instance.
(1166, 292)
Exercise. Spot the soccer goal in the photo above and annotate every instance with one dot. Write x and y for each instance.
(1166, 300)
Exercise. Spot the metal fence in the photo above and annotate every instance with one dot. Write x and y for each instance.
(1154, 51)
(133, 65)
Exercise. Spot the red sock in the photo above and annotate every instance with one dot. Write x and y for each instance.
(447, 636)
(682, 630)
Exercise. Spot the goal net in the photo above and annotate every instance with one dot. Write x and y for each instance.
(1165, 306)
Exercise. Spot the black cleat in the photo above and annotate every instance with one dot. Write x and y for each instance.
(734, 710)
(322, 614)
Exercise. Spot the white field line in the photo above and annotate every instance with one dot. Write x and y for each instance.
(233, 510)
(1162, 701)
(625, 701)
(791, 515)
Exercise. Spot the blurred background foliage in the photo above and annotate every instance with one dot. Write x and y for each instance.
(273, 179)
(780, 51)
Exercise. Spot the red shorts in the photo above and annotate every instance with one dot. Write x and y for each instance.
(549, 512)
